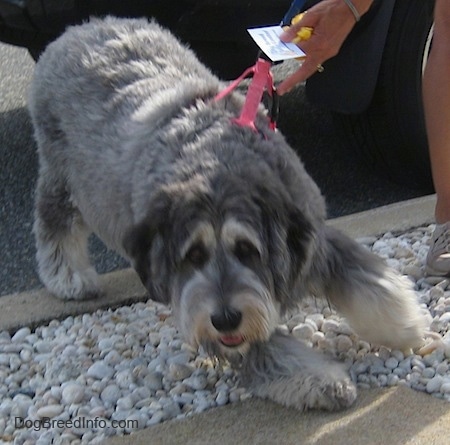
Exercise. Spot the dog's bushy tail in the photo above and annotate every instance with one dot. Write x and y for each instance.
(378, 302)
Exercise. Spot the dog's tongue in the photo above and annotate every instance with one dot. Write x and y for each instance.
(231, 340)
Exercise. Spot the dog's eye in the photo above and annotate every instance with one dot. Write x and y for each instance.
(197, 255)
(244, 250)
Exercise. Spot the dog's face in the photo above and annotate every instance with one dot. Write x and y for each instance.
(223, 293)
(226, 261)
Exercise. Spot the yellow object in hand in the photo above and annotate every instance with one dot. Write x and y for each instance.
(304, 33)
(297, 18)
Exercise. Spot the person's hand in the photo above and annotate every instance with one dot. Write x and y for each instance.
(332, 21)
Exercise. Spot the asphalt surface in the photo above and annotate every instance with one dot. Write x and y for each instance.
(347, 183)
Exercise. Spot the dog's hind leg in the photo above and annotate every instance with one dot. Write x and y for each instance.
(292, 374)
(61, 241)
(379, 303)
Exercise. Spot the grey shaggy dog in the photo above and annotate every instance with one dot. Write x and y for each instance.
(221, 222)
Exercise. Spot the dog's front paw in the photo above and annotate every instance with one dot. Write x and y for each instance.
(71, 285)
(332, 395)
(310, 392)
(292, 374)
(63, 262)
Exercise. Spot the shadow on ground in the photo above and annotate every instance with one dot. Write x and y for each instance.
(348, 183)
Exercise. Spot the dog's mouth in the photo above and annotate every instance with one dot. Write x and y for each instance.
(232, 341)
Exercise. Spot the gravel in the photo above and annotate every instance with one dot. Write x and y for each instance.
(88, 377)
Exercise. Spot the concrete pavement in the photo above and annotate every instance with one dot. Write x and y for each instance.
(395, 416)
(385, 416)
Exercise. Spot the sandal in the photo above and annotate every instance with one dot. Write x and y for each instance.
(438, 257)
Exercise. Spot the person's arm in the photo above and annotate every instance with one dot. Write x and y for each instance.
(332, 21)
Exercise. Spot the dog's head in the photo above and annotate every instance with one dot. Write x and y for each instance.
(226, 256)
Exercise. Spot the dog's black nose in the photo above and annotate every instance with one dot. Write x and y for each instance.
(226, 320)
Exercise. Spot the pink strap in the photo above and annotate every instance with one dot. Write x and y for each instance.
(235, 83)
(262, 78)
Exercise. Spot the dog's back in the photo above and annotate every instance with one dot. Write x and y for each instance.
(118, 98)
(87, 92)
(116, 62)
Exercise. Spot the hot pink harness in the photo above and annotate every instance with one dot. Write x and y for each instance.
(262, 80)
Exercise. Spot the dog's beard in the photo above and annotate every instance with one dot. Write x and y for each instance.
(198, 300)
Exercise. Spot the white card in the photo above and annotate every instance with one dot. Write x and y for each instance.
(267, 38)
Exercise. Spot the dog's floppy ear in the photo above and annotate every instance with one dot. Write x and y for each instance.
(144, 244)
(299, 234)
(284, 221)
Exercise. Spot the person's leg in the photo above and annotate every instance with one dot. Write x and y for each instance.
(436, 97)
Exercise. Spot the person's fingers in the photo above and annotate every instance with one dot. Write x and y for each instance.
(307, 69)
(290, 33)
(288, 83)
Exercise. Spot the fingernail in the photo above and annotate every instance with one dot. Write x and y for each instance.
(286, 36)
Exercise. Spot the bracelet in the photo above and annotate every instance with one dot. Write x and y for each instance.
(353, 9)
